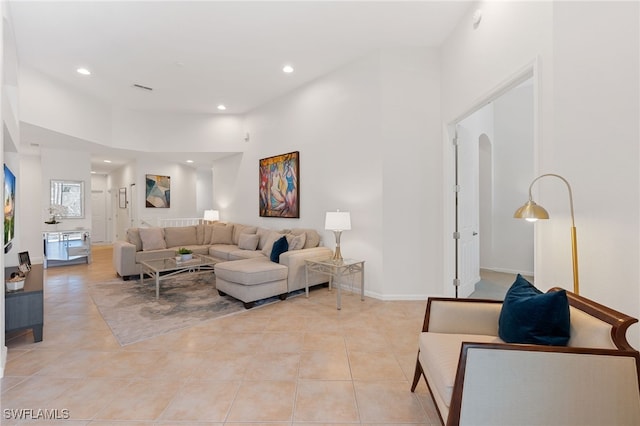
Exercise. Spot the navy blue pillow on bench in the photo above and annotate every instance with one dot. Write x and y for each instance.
(533, 317)
(279, 247)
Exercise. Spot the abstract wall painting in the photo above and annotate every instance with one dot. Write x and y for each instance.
(158, 191)
(280, 186)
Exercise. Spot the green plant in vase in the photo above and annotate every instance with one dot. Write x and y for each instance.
(185, 254)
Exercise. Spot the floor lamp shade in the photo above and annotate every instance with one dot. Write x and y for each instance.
(532, 212)
(337, 222)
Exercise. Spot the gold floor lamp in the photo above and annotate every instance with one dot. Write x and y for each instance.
(532, 212)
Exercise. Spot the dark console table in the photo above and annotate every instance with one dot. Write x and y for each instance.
(24, 308)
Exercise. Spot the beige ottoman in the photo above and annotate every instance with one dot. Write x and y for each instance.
(251, 279)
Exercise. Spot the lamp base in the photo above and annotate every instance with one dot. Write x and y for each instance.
(337, 256)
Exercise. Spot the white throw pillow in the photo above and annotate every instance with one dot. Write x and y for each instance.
(248, 241)
(296, 242)
(152, 239)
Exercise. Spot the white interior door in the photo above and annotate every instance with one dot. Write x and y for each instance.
(468, 223)
(98, 216)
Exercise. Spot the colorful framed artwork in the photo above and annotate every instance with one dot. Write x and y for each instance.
(280, 186)
(158, 191)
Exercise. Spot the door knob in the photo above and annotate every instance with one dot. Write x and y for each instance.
(475, 233)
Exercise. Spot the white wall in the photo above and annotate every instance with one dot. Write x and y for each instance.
(184, 193)
(588, 102)
(367, 136)
(595, 145)
(64, 165)
(204, 191)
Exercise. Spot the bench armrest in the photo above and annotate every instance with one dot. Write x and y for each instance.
(503, 384)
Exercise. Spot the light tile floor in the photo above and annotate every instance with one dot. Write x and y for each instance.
(295, 362)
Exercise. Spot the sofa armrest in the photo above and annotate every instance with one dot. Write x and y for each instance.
(502, 384)
(462, 316)
(124, 259)
(295, 261)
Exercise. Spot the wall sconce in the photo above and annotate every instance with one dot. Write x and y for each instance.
(211, 215)
(532, 212)
(337, 222)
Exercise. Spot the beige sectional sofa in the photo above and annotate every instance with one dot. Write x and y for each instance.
(477, 379)
(244, 269)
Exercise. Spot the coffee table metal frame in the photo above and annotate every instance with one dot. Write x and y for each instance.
(161, 269)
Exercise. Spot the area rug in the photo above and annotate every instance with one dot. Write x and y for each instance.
(134, 314)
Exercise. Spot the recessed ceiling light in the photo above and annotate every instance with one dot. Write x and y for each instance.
(222, 107)
(92, 172)
(83, 71)
(287, 69)
(107, 161)
(189, 161)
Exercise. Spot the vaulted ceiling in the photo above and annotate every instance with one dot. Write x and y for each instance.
(196, 55)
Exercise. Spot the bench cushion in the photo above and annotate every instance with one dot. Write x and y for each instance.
(439, 354)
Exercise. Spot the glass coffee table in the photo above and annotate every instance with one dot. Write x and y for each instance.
(161, 269)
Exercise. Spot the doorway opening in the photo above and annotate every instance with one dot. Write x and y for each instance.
(494, 160)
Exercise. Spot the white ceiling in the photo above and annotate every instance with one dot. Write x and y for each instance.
(198, 54)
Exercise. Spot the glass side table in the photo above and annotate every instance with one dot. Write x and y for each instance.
(335, 269)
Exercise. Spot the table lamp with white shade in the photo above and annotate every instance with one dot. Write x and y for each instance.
(211, 215)
(337, 222)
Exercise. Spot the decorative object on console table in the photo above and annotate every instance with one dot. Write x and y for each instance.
(532, 212)
(158, 191)
(279, 186)
(211, 216)
(56, 211)
(122, 198)
(337, 222)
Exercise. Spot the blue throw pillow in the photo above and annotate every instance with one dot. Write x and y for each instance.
(531, 316)
(279, 247)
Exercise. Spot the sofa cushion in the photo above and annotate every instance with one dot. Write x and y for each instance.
(531, 316)
(267, 247)
(180, 236)
(152, 238)
(312, 236)
(221, 251)
(439, 355)
(239, 229)
(248, 241)
(222, 234)
(279, 247)
(264, 235)
(208, 232)
(200, 234)
(133, 236)
(245, 254)
(250, 271)
(296, 242)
